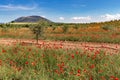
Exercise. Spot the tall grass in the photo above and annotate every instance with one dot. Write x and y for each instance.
(86, 34)
(41, 62)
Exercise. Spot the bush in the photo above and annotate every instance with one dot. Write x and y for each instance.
(106, 27)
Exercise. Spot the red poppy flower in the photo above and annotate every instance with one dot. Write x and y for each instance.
(78, 70)
(26, 62)
(72, 56)
(3, 51)
(92, 66)
(116, 79)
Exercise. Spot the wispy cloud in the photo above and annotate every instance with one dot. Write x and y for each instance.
(16, 7)
(99, 18)
(81, 18)
(61, 18)
(43, 16)
(110, 16)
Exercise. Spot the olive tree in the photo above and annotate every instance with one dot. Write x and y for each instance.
(38, 29)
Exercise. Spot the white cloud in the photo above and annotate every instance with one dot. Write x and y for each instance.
(81, 18)
(111, 17)
(16, 7)
(43, 16)
(61, 18)
(99, 18)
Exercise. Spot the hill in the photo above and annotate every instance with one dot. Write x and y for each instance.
(31, 19)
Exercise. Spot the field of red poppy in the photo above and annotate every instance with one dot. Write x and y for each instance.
(23, 60)
(90, 56)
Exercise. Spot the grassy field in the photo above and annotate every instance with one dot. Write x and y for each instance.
(20, 62)
(81, 34)
(19, 33)
(41, 62)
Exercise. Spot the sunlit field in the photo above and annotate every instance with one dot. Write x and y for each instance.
(101, 33)
(16, 33)
(61, 53)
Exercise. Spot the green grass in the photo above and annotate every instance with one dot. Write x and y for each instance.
(54, 63)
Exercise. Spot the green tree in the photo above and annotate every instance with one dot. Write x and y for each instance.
(38, 29)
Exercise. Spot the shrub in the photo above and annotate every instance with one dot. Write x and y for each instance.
(106, 27)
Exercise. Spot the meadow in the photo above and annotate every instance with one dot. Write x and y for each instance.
(81, 35)
(45, 62)
(108, 32)
(42, 61)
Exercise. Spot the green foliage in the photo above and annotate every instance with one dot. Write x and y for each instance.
(65, 28)
(1, 25)
(107, 27)
(38, 31)
(26, 25)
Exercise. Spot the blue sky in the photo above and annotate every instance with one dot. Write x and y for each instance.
(70, 11)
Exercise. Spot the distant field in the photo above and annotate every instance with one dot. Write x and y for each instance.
(107, 32)
(16, 33)
(87, 34)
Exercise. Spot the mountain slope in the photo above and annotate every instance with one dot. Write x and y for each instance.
(31, 19)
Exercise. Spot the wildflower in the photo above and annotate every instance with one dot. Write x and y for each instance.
(85, 70)
(72, 56)
(61, 69)
(3, 50)
(116, 46)
(62, 64)
(91, 78)
(100, 71)
(116, 79)
(33, 63)
(19, 69)
(105, 64)
(71, 72)
(78, 70)
(97, 52)
(26, 62)
(92, 66)
(56, 71)
(103, 78)
(76, 52)
(61, 46)
(0, 62)
(68, 58)
(29, 49)
(78, 74)
(112, 77)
